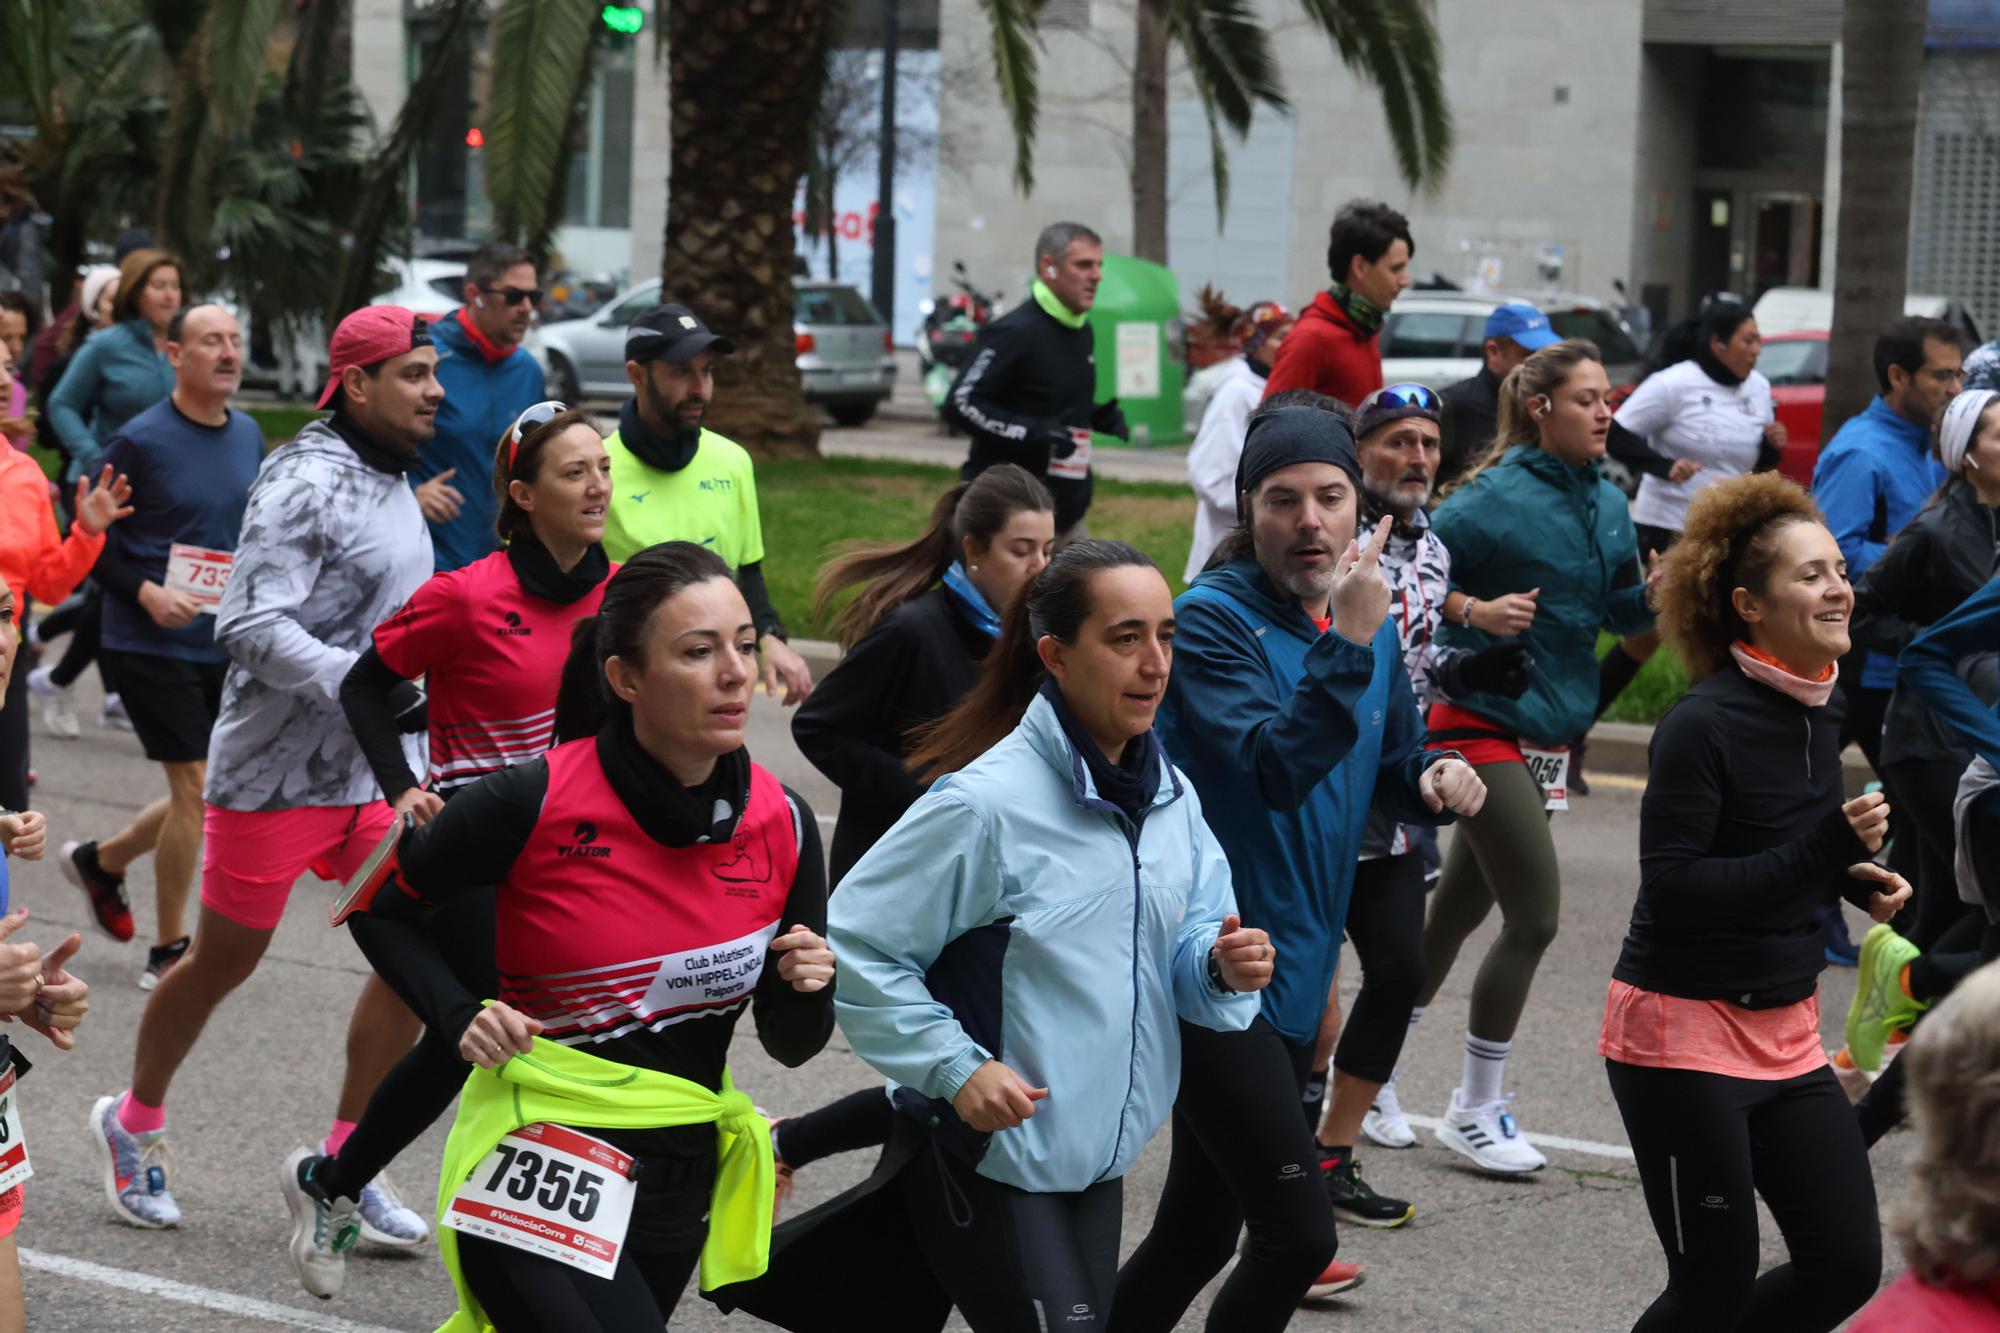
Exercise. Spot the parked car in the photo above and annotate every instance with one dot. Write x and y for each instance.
(1436, 338)
(1810, 310)
(1795, 363)
(846, 360)
(432, 288)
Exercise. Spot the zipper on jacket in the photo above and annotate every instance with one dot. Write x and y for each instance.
(1131, 831)
(1807, 719)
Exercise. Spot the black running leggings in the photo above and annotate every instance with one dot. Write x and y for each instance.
(424, 1083)
(1013, 1261)
(1242, 1155)
(1922, 790)
(858, 1120)
(1385, 920)
(1706, 1144)
(525, 1293)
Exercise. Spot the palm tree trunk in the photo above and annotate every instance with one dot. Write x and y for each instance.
(744, 79)
(1882, 69)
(1149, 134)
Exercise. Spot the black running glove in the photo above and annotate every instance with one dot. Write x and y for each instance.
(1054, 437)
(1505, 669)
(1109, 419)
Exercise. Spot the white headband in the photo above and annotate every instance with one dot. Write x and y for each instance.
(1961, 416)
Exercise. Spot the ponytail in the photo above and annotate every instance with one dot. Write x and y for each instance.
(1055, 604)
(893, 574)
(1539, 376)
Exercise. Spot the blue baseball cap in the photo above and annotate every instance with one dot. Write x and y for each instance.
(1523, 324)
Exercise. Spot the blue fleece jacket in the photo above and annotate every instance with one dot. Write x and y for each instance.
(481, 400)
(1287, 735)
(114, 377)
(1013, 914)
(1873, 476)
(1930, 668)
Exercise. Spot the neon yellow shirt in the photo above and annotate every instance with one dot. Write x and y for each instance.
(558, 1085)
(711, 502)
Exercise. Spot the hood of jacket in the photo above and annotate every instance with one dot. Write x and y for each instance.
(1246, 581)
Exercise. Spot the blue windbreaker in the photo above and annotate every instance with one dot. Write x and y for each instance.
(1013, 915)
(481, 400)
(1288, 734)
(1873, 476)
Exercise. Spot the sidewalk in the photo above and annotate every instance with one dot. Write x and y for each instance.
(911, 433)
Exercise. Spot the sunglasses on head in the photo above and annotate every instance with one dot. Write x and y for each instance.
(515, 295)
(1404, 395)
(541, 414)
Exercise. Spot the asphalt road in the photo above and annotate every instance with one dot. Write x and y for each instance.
(1568, 1249)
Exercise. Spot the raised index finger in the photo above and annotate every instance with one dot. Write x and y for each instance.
(1372, 557)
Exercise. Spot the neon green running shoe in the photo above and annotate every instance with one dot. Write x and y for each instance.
(1879, 1001)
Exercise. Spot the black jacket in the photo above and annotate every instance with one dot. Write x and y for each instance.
(1944, 555)
(914, 665)
(1467, 424)
(1028, 377)
(1741, 839)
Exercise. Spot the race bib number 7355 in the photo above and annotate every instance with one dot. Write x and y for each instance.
(550, 1191)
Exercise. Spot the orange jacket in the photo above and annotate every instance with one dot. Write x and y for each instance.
(36, 560)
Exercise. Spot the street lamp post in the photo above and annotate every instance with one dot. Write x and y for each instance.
(882, 274)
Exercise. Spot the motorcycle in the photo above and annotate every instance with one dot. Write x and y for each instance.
(950, 329)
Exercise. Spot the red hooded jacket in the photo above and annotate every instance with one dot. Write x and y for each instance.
(1328, 352)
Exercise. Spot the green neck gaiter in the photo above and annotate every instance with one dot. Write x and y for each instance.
(1057, 311)
(1358, 307)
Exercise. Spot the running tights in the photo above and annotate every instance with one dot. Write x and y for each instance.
(1242, 1155)
(1503, 854)
(1705, 1143)
(858, 1120)
(1922, 791)
(1013, 1261)
(86, 627)
(525, 1293)
(1385, 921)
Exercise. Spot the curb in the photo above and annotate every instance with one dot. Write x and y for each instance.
(1615, 747)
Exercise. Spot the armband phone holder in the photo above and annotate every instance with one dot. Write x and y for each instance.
(381, 868)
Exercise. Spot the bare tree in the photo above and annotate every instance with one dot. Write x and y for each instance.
(847, 134)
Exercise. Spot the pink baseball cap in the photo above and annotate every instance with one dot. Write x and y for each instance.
(370, 336)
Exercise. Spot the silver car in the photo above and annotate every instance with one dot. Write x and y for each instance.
(846, 362)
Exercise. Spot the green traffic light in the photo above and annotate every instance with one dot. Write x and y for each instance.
(626, 19)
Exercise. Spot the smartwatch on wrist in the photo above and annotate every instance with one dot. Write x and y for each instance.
(1215, 975)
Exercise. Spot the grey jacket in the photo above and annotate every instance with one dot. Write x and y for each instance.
(330, 548)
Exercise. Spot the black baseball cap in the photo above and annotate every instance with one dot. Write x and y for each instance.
(674, 334)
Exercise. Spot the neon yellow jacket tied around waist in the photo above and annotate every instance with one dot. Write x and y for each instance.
(558, 1085)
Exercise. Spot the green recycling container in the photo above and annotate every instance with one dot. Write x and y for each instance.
(1136, 327)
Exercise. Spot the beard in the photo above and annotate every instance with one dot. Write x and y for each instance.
(1395, 499)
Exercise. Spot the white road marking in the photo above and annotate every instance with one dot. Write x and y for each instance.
(1617, 1151)
(206, 1298)
(827, 821)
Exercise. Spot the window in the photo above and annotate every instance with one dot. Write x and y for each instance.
(451, 289)
(629, 309)
(1794, 363)
(832, 305)
(1422, 334)
(1598, 327)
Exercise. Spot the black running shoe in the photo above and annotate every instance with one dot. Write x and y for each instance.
(160, 960)
(105, 890)
(1354, 1201)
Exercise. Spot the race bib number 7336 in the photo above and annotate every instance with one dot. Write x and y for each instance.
(550, 1191)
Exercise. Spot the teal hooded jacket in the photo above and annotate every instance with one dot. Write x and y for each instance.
(1534, 521)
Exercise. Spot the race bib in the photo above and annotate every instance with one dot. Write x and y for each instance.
(199, 572)
(1077, 466)
(550, 1191)
(14, 1166)
(1551, 769)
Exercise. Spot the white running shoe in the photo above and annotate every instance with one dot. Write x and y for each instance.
(115, 717)
(387, 1220)
(1488, 1137)
(135, 1170)
(58, 713)
(1385, 1122)
(323, 1230)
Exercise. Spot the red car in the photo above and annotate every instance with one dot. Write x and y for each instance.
(1795, 363)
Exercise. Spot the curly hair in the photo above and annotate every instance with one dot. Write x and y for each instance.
(1948, 1222)
(1730, 542)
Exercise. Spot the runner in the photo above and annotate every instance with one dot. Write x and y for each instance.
(331, 544)
(1218, 442)
(1946, 1224)
(488, 382)
(675, 480)
(1711, 1025)
(1290, 707)
(915, 636)
(1029, 394)
(650, 851)
(489, 641)
(20, 320)
(973, 972)
(1336, 347)
(1472, 406)
(1538, 534)
(191, 458)
(1398, 444)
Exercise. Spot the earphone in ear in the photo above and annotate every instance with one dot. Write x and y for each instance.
(1048, 270)
(479, 301)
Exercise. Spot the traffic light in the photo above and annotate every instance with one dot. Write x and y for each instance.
(625, 20)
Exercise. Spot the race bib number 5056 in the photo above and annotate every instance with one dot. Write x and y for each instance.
(550, 1191)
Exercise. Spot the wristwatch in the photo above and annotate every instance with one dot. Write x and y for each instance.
(1215, 975)
(1465, 612)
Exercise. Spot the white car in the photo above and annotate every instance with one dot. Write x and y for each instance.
(1437, 338)
(1810, 310)
(432, 288)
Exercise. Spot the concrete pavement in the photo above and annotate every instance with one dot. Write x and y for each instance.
(1569, 1249)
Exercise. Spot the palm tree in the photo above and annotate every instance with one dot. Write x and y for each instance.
(743, 80)
(1878, 135)
(543, 62)
(1389, 43)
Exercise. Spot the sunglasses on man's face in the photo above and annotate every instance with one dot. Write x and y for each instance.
(516, 295)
